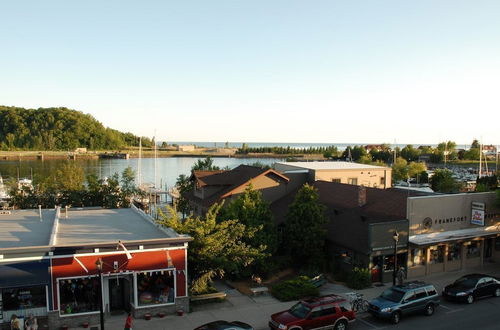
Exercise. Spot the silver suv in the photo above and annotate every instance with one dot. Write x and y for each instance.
(411, 297)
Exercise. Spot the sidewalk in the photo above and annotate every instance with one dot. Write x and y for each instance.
(256, 310)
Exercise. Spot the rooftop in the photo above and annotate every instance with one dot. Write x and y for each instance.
(23, 228)
(326, 165)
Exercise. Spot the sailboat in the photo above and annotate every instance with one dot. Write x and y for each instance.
(3, 191)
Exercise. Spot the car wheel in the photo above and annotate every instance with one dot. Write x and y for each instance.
(341, 325)
(429, 310)
(496, 293)
(396, 317)
(470, 299)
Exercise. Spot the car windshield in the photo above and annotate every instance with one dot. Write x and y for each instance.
(299, 310)
(468, 282)
(392, 295)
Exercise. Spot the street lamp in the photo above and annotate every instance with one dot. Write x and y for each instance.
(395, 237)
(99, 264)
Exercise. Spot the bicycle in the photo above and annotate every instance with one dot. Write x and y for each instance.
(358, 303)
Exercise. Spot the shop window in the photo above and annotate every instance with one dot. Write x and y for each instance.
(454, 251)
(336, 180)
(436, 254)
(23, 298)
(80, 295)
(417, 257)
(155, 288)
(497, 243)
(353, 181)
(473, 250)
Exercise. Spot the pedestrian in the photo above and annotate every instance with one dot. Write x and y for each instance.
(31, 323)
(128, 323)
(14, 323)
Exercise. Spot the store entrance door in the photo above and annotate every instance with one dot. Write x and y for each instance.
(119, 294)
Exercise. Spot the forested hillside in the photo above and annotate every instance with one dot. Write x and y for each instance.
(58, 129)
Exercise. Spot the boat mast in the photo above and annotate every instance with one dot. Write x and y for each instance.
(139, 173)
(480, 155)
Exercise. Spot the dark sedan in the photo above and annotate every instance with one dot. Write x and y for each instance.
(471, 287)
(223, 325)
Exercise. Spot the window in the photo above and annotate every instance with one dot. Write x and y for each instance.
(316, 312)
(328, 310)
(345, 306)
(497, 243)
(23, 298)
(420, 293)
(436, 254)
(382, 180)
(353, 181)
(336, 180)
(410, 296)
(431, 291)
(79, 295)
(454, 251)
(155, 288)
(417, 257)
(473, 249)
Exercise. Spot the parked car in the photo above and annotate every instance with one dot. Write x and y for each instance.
(325, 311)
(399, 300)
(223, 325)
(470, 287)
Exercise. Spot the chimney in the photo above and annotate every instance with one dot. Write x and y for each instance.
(361, 196)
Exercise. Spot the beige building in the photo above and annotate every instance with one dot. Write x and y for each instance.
(341, 172)
(452, 232)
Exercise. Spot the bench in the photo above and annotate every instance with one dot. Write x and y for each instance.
(208, 296)
(319, 280)
(259, 290)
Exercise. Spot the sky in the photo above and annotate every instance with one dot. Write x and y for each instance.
(371, 71)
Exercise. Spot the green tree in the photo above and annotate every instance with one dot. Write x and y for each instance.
(218, 247)
(400, 170)
(415, 169)
(443, 181)
(305, 228)
(206, 164)
(254, 212)
(184, 186)
(410, 153)
(475, 144)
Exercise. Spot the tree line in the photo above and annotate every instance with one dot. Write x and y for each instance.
(58, 129)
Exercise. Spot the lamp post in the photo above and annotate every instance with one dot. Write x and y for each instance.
(395, 237)
(99, 264)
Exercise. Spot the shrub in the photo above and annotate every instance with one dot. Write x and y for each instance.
(294, 289)
(359, 278)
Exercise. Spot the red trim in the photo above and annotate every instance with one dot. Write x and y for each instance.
(69, 267)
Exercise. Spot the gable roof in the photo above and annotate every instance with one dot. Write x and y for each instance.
(230, 180)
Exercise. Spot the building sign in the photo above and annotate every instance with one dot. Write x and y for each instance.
(477, 217)
(381, 235)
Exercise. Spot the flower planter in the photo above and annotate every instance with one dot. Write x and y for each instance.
(64, 327)
(85, 324)
(161, 314)
(147, 316)
(180, 312)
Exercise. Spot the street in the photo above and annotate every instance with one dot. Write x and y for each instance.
(483, 314)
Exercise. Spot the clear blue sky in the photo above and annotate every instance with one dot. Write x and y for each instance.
(277, 71)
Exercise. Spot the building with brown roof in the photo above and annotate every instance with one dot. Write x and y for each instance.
(210, 187)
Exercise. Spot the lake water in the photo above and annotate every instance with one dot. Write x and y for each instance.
(167, 169)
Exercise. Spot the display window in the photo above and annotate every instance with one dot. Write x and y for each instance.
(155, 287)
(473, 249)
(79, 295)
(436, 254)
(417, 257)
(454, 251)
(24, 298)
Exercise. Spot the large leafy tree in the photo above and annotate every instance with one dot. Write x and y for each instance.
(206, 164)
(254, 212)
(443, 181)
(218, 247)
(410, 153)
(400, 169)
(305, 230)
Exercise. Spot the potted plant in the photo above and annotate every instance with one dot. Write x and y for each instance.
(147, 316)
(85, 324)
(180, 312)
(161, 314)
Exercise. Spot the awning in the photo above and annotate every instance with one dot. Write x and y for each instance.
(454, 235)
(22, 274)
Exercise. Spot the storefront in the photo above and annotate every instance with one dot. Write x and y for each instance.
(143, 282)
(452, 232)
(24, 289)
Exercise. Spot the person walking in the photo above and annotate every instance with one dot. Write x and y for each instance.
(31, 323)
(128, 322)
(14, 323)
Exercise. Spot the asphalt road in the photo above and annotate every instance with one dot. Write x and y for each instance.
(482, 314)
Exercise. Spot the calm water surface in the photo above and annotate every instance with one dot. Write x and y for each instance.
(167, 169)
